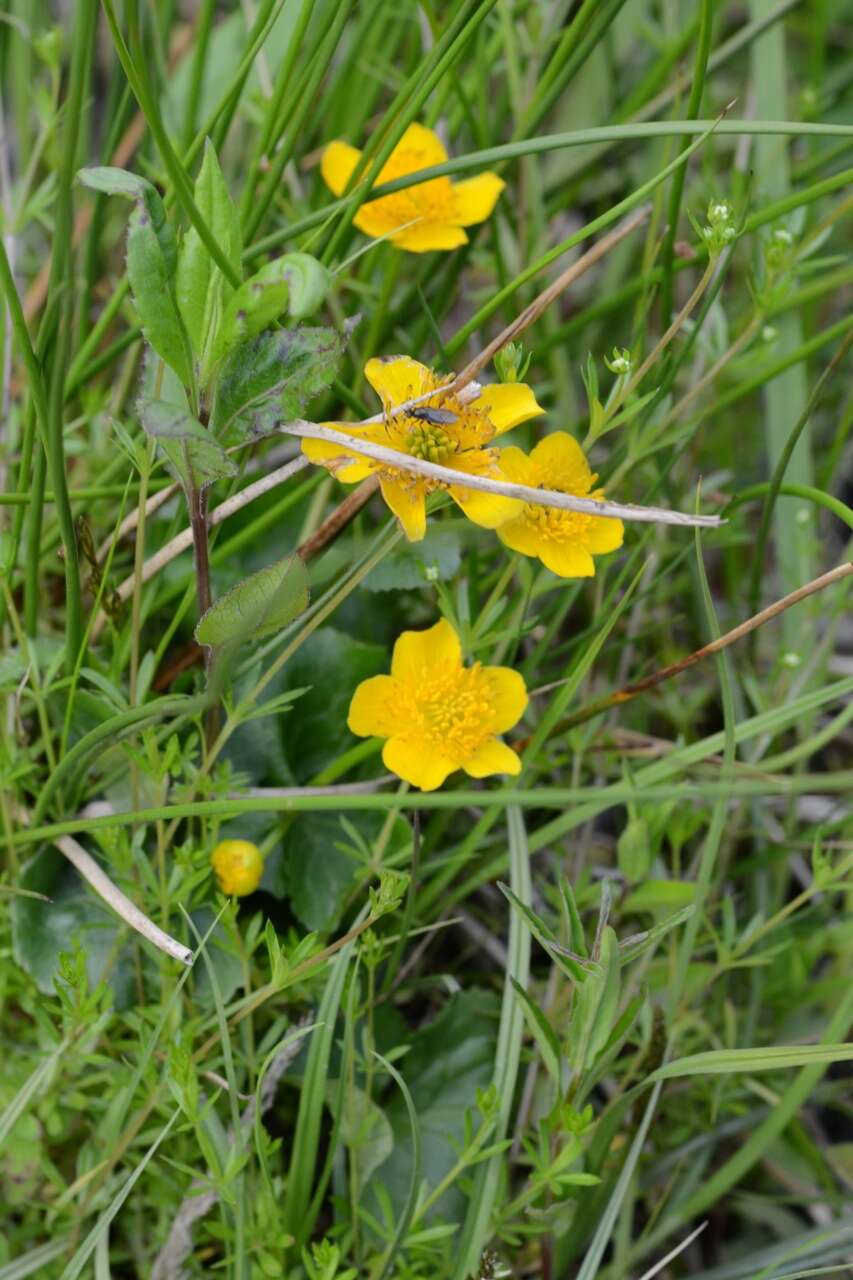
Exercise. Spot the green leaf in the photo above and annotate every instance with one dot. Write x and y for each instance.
(547, 938)
(542, 1033)
(633, 850)
(577, 941)
(195, 457)
(449, 1059)
(656, 895)
(201, 289)
(296, 281)
(151, 263)
(773, 1058)
(330, 667)
(273, 376)
(42, 930)
(258, 606)
(595, 1006)
(151, 279)
(319, 842)
(639, 943)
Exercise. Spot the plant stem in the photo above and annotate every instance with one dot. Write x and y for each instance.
(197, 502)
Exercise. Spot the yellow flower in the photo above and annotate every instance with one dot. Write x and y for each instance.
(437, 210)
(565, 541)
(437, 715)
(238, 866)
(460, 440)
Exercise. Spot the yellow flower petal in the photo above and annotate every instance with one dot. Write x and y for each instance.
(476, 197)
(379, 218)
(562, 464)
(410, 761)
(408, 503)
(489, 510)
(339, 160)
(508, 696)
(603, 534)
(426, 147)
(418, 652)
(423, 237)
(521, 536)
(344, 465)
(507, 404)
(493, 756)
(398, 378)
(373, 709)
(517, 467)
(567, 560)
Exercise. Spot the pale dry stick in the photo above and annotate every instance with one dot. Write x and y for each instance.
(163, 495)
(664, 341)
(710, 374)
(460, 383)
(407, 463)
(88, 868)
(542, 301)
(184, 539)
(129, 523)
(673, 1253)
(620, 696)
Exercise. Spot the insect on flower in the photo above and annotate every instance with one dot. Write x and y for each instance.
(435, 417)
(448, 430)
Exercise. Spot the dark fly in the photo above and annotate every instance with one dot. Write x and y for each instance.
(435, 417)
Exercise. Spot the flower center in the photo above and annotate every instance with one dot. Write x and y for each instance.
(557, 525)
(430, 443)
(449, 711)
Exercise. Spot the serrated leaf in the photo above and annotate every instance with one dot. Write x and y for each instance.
(195, 457)
(295, 282)
(201, 289)
(258, 606)
(273, 376)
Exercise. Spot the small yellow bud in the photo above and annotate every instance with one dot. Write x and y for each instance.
(238, 866)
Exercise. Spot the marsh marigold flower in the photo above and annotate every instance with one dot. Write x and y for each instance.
(238, 866)
(437, 715)
(565, 541)
(460, 440)
(431, 215)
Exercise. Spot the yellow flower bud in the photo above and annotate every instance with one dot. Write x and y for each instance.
(238, 866)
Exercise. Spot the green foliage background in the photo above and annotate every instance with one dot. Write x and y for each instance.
(550, 1027)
